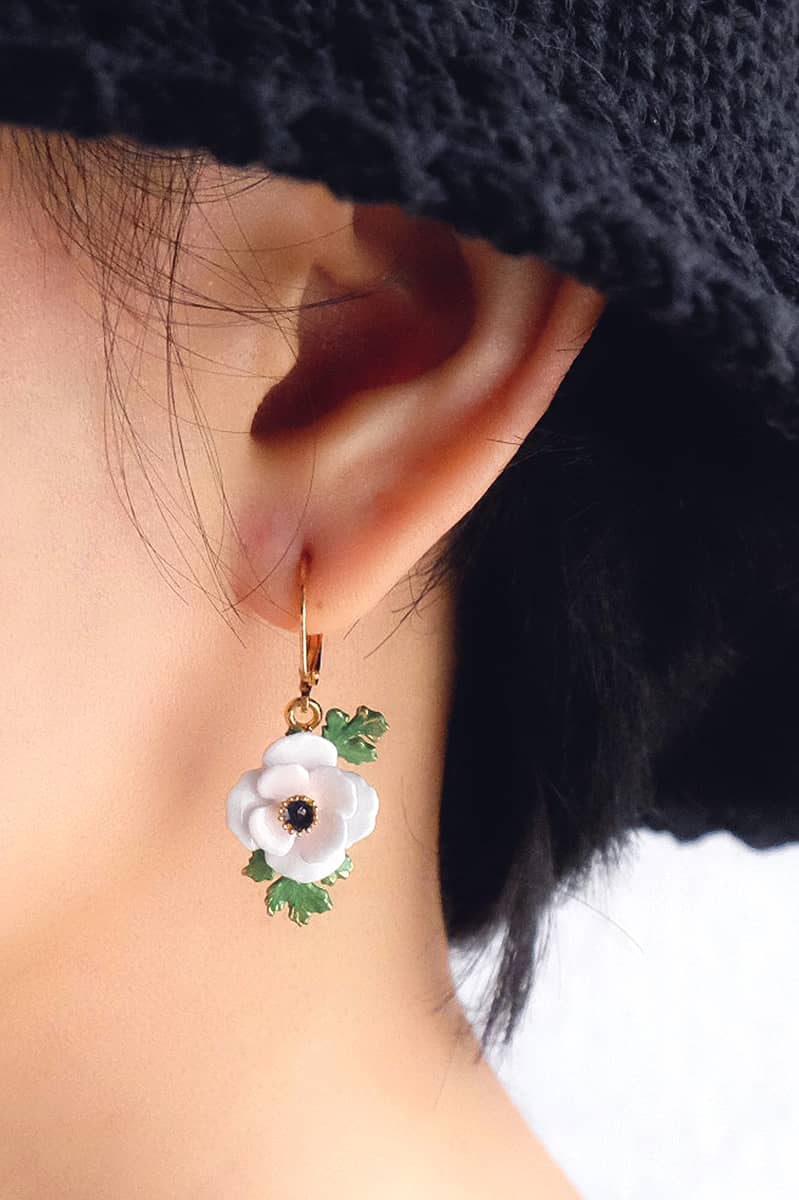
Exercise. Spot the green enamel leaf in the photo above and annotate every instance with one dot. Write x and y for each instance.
(303, 899)
(340, 872)
(354, 737)
(258, 868)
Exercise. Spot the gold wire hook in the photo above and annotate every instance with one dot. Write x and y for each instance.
(310, 666)
(310, 643)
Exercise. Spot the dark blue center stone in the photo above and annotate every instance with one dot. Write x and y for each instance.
(300, 814)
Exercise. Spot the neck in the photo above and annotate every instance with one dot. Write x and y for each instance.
(175, 1041)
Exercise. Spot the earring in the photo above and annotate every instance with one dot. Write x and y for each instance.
(299, 813)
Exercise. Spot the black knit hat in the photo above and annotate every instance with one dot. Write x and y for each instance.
(649, 148)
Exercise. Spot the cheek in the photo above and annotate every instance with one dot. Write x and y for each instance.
(115, 665)
(63, 634)
(82, 616)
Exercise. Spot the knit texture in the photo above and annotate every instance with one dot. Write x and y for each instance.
(649, 148)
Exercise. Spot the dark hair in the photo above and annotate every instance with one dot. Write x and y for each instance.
(626, 603)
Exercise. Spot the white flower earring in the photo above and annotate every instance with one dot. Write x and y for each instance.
(299, 813)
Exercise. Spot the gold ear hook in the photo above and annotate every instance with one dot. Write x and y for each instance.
(310, 666)
(310, 643)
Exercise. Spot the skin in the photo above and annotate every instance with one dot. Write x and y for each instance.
(161, 1036)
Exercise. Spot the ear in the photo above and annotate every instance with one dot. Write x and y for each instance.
(402, 406)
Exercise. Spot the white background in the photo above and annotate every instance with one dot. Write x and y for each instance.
(659, 1059)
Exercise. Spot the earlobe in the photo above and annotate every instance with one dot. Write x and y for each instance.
(401, 410)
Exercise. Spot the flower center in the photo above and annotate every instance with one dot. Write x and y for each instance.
(298, 813)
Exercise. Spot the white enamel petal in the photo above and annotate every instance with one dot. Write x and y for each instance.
(268, 832)
(333, 789)
(282, 780)
(325, 842)
(241, 799)
(361, 824)
(308, 749)
(295, 867)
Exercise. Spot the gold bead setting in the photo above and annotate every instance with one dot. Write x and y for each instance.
(294, 811)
